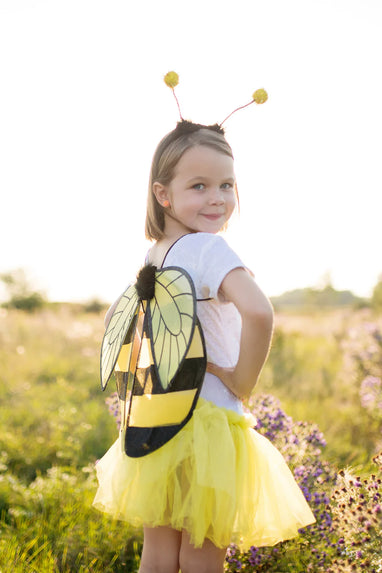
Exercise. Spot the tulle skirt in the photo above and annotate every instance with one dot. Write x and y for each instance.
(217, 478)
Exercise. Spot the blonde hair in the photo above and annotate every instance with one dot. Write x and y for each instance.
(166, 157)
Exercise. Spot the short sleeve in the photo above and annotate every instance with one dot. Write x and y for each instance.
(207, 258)
(216, 260)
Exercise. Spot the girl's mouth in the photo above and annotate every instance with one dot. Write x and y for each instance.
(213, 217)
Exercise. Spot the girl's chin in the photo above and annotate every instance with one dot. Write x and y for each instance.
(207, 226)
(211, 231)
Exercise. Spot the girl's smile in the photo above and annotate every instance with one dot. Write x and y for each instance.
(212, 217)
(201, 194)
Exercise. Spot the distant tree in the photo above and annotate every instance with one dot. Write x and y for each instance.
(324, 281)
(21, 294)
(376, 297)
(327, 297)
(94, 305)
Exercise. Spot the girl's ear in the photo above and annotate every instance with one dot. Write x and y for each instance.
(161, 194)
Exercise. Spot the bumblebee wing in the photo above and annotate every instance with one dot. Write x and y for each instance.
(116, 332)
(172, 317)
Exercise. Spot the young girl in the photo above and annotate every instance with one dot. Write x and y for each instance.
(217, 481)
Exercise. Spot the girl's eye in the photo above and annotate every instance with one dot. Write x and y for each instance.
(198, 186)
(227, 186)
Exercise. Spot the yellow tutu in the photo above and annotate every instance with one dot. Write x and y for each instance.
(217, 478)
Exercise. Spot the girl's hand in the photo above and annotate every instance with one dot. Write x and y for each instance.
(226, 375)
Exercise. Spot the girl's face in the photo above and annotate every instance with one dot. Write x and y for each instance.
(202, 193)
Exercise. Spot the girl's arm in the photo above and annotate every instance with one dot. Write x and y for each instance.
(257, 326)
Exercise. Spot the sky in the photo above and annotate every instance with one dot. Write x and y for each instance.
(83, 105)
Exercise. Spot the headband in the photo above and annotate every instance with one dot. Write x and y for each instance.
(171, 79)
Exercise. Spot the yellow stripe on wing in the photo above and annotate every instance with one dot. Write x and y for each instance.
(196, 347)
(145, 357)
(152, 410)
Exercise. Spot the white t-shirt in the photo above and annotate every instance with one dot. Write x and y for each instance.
(208, 259)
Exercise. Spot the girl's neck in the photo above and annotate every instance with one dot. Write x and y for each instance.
(173, 230)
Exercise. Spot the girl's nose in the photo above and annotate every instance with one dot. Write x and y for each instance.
(216, 197)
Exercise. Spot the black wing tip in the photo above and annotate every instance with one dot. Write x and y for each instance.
(103, 385)
(104, 380)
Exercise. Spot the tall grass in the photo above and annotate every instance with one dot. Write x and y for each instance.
(312, 372)
(54, 425)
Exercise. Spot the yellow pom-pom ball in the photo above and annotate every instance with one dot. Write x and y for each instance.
(260, 96)
(171, 79)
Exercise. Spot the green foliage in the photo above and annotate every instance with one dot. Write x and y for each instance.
(20, 293)
(50, 526)
(376, 298)
(49, 379)
(303, 371)
(54, 425)
(326, 297)
(311, 370)
(95, 305)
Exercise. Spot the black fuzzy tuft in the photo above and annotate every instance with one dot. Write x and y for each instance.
(145, 284)
(183, 127)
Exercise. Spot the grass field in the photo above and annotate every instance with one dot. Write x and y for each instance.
(325, 369)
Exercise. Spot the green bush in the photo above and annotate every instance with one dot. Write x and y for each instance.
(95, 305)
(376, 297)
(20, 293)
